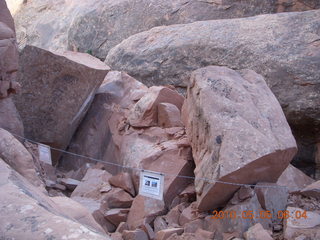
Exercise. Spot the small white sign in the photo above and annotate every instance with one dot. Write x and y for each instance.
(44, 154)
(151, 184)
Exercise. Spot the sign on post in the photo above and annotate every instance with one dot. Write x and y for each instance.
(44, 153)
(151, 184)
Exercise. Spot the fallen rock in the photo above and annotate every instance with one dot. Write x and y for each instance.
(26, 213)
(160, 224)
(168, 55)
(257, 232)
(148, 230)
(123, 180)
(92, 183)
(97, 209)
(242, 100)
(273, 198)
(169, 116)
(294, 179)
(172, 218)
(137, 234)
(60, 87)
(93, 138)
(301, 222)
(121, 227)
(242, 194)
(312, 190)
(193, 226)
(118, 198)
(166, 233)
(18, 157)
(187, 215)
(116, 215)
(70, 30)
(70, 183)
(145, 111)
(144, 210)
(203, 234)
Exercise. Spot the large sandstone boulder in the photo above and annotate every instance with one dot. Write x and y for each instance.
(26, 213)
(116, 20)
(237, 131)
(10, 119)
(17, 156)
(57, 91)
(284, 48)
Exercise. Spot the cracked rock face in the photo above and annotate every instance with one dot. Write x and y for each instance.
(237, 130)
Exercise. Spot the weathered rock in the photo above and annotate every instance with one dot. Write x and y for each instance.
(187, 215)
(137, 234)
(145, 111)
(167, 55)
(144, 210)
(240, 100)
(193, 226)
(26, 213)
(317, 160)
(118, 198)
(92, 183)
(116, 215)
(203, 234)
(9, 117)
(160, 224)
(93, 138)
(122, 226)
(298, 224)
(166, 233)
(18, 157)
(60, 87)
(242, 194)
(123, 180)
(294, 179)
(257, 232)
(116, 236)
(172, 218)
(97, 209)
(148, 230)
(43, 29)
(8, 53)
(312, 190)
(169, 115)
(273, 199)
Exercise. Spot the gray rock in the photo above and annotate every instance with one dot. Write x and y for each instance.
(226, 135)
(58, 88)
(97, 26)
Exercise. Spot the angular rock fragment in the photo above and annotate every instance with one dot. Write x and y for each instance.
(123, 180)
(145, 112)
(58, 88)
(166, 233)
(294, 179)
(257, 232)
(148, 230)
(118, 198)
(116, 215)
(169, 115)
(227, 135)
(273, 199)
(70, 183)
(144, 210)
(137, 234)
(160, 224)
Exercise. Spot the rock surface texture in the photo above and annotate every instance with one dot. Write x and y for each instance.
(226, 135)
(26, 213)
(116, 20)
(57, 91)
(284, 48)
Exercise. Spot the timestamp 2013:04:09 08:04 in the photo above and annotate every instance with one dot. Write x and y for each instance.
(262, 214)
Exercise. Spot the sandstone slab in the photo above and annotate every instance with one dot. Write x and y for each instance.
(60, 87)
(123, 180)
(257, 232)
(29, 214)
(166, 233)
(312, 190)
(226, 136)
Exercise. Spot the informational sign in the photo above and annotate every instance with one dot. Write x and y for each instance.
(44, 153)
(151, 184)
